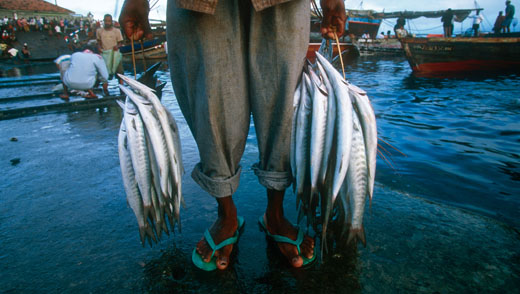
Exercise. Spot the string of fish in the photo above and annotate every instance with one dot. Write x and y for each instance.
(150, 158)
(333, 153)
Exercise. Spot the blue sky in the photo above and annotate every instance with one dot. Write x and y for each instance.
(420, 25)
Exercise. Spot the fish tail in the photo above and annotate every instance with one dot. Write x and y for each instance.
(164, 227)
(300, 213)
(357, 234)
(158, 230)
(171, 221)
(142, 235)
(149, 235)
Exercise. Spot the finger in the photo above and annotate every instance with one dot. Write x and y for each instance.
(340, 27)
(325, 25)
(128, 28)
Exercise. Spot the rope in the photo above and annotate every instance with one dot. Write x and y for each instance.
(133, 55)
(142, 52)
(340, 55)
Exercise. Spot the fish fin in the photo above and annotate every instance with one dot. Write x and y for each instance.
(165, 228)
(147, 77)
(300, 214)
(120, 103)
(142, 235)
(357, 234)
(183, 203)
(149, 234)
(158, 230)
(298, 200)
(171, 220)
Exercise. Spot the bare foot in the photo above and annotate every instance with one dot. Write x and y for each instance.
(90, 95)
(279, 225)
(222, 229)
(64, 97)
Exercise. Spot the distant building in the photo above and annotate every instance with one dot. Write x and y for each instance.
(31, 8)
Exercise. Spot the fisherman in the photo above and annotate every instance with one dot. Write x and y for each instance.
(262, 46)
(13, 53)
(26, 54)
(81, 71)
(510, 13)
(109, 40)
(497, 28)
(477, 19)
(447, 23)
(399, 25)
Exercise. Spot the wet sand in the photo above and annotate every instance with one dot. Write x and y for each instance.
(65, 227)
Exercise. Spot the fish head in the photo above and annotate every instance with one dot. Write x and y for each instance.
(130, 107)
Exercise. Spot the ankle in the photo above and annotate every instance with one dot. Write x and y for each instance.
(226, 208)
(274, 209)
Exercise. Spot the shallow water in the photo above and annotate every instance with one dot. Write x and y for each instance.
(444, 218)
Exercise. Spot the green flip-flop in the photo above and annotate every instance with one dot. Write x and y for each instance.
(283, 239)
(212, 264)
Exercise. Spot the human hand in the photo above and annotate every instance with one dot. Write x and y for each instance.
(116, 47)
(134, 19)
(334, 18)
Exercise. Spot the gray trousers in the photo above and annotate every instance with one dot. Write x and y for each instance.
(231, 65)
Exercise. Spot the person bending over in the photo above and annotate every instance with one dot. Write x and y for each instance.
(81, 71)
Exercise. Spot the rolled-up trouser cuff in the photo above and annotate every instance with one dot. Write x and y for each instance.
(271, 179)
(216, 187)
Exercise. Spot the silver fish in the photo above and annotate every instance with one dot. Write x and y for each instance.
(318, 130)
(343, 124)
(133, 196)
(296, 104)
(367, 119)
(331, 120)
(357, 178)
(302, 138)
(139, 154)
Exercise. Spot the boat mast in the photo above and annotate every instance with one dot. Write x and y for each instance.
(116, 10)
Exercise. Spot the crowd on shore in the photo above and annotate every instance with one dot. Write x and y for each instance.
(71, 29)
(53, 25)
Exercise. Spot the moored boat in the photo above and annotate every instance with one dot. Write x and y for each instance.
(153, 49)
(360, 22)
(462, 54)
(347, 49)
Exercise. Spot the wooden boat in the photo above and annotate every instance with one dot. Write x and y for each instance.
(380, 46)
(359, 23)
(462, 54)
(153, 49)
(156, 52)
(347, 49)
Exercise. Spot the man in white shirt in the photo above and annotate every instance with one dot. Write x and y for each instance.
(13, 52)
(477, 19)
(81, 72)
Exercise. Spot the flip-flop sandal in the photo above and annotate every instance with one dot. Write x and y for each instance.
(212, 264)
(283, 239)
